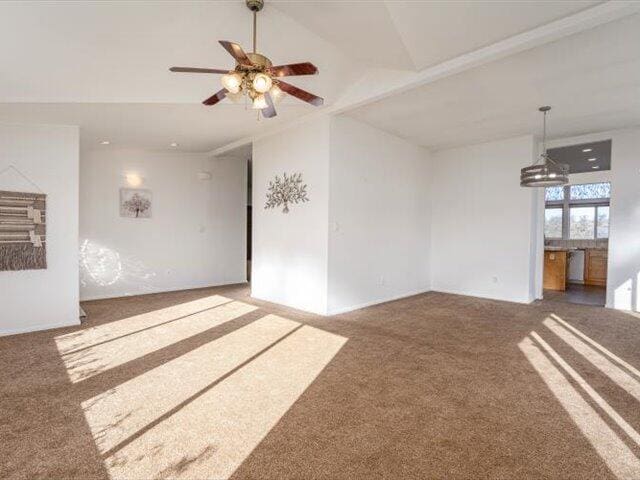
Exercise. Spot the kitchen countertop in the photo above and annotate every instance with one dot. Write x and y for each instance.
(570, 249)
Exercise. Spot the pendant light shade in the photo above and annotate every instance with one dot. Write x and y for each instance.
(545, 172)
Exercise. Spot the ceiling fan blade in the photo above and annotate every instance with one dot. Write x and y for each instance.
(301, 94)
(270, 111)
(197, 70)
(236, 52)
(216, 97)
(306, 68)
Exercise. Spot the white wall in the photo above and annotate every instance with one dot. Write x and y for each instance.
(623, 274)
(290, 251)
(485, 231)
(195, 238)
(482, 240)
(379, 216)
(48, 156)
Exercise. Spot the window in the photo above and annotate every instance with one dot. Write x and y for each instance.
(587, 209)
(602, 229)
(590, 191)
(582, 223)
(552, 194)
(553, 222)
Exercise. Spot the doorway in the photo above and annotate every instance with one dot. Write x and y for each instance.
(576, 226)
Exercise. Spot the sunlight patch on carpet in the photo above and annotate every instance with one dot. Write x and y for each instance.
(595, 344)
(613, 451)
(598, 360)
(81, 339)
(595, 396)
(126, 410)
(211, 435)
(120, 349)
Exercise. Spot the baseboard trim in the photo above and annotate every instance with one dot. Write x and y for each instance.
(153, 292)
(351, 308)
(288, 305)
(485, 296)
(38, 328)
(392, 298)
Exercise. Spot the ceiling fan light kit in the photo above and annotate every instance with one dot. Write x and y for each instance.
(255, 76)
(547, 173)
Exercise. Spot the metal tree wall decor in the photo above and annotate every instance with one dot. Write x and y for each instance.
(286, 190)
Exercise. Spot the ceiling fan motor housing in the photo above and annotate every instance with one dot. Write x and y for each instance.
(259, 61)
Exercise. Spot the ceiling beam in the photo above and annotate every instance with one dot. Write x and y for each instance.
(376, 84)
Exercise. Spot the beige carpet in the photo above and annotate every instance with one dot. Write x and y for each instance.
(212, 384)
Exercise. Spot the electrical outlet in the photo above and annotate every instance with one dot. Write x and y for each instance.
(494, 279)
(381, 280)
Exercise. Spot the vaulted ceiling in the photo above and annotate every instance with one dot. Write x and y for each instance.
(414, 35)
(591, 79)
(104, 66)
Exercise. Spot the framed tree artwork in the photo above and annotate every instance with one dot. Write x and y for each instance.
(135, 203)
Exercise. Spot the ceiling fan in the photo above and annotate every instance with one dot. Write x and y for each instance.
(255, 76)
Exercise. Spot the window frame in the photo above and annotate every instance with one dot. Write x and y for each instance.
(566, 205)
(598, 207)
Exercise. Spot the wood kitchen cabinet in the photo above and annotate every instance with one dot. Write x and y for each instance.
(555, 270)
(595, 267)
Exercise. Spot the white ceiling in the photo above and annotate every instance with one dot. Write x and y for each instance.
(104, 65)
(149, 125)
(417, 34)
(114, 51)
(592, 81)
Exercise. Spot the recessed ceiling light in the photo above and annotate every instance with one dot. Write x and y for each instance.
(595, 167)
(585, 150)
(174, 144)
(591, 159)
(105, 142)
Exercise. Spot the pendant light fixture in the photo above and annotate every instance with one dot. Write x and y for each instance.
(545, 172)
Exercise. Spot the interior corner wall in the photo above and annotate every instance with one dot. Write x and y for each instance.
(47, 155)
(290, 250)
(482, 221)
(379, 217)
(196, 236)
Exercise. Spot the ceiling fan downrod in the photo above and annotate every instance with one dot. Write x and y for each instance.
(255, 6)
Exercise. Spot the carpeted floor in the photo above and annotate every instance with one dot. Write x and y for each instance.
(213, 384)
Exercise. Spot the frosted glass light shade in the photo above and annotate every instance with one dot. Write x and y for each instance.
(262, 83)
(232, 82)
(259, 102)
